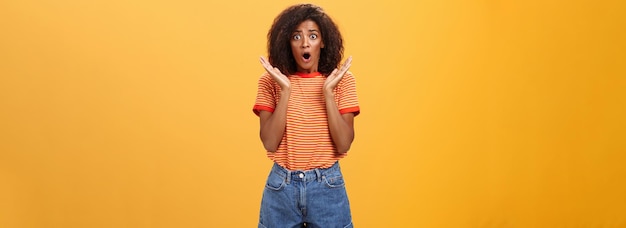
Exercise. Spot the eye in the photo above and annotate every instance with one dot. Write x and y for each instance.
(297, 37)
(313, 36)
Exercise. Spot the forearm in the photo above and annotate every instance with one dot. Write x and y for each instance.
(341, 129)
(273, 124)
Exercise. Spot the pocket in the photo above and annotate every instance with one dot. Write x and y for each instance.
(275, 182)
(334, 181)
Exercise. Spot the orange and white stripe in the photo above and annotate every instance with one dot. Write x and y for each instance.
(306, 143)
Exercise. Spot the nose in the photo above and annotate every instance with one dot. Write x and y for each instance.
(305, 42)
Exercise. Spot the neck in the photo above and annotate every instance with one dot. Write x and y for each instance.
(308, 71)
(308, 75)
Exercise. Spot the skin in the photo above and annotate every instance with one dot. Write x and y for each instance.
(307, 39)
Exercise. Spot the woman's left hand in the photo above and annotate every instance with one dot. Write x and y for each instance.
(335, 77)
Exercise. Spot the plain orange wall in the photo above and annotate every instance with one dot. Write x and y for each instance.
(474, 113)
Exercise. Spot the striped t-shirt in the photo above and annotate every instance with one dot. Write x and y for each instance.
(307, 143)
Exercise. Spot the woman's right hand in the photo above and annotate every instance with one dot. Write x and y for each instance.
(278, 76)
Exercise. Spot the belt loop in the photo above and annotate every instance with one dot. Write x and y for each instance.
(288, 176)
(319, 176)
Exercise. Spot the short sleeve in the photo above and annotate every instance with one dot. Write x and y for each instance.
(346, 97)
(266, 95)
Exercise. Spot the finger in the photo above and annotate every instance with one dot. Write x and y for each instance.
(345, 66)
(333, 73)
(263, 62)
(343, 70)
(342, 73)
(268, 67)
(336, 76)
(348, 61)
(276, 70)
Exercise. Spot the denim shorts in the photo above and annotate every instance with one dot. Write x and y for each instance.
(312, 198)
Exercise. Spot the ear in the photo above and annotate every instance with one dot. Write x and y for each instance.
(322, 46)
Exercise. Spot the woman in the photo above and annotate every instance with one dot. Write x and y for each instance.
(306, 107)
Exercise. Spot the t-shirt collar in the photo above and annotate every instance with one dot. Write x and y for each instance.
(308, 75)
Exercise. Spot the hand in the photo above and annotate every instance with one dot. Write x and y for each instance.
(278, 77)
(335, 77)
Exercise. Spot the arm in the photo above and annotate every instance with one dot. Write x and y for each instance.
(273, 123)
(341, 126)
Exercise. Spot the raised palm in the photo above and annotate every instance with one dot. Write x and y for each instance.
(335, 77)
(278, 76)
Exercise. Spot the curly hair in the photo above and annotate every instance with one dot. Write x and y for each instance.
(279, 36)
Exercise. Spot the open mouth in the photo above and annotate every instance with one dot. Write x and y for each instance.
(306, 56)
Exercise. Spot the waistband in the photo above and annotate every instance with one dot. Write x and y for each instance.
(304, 175)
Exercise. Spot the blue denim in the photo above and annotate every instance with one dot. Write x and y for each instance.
(312, 198)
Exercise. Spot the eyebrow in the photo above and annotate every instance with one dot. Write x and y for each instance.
(310, 30)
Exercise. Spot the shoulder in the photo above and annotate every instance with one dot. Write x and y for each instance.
(265, 78)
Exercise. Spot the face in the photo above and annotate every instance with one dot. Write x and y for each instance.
(306, 43)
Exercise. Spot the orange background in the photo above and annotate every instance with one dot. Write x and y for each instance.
(474, 113)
